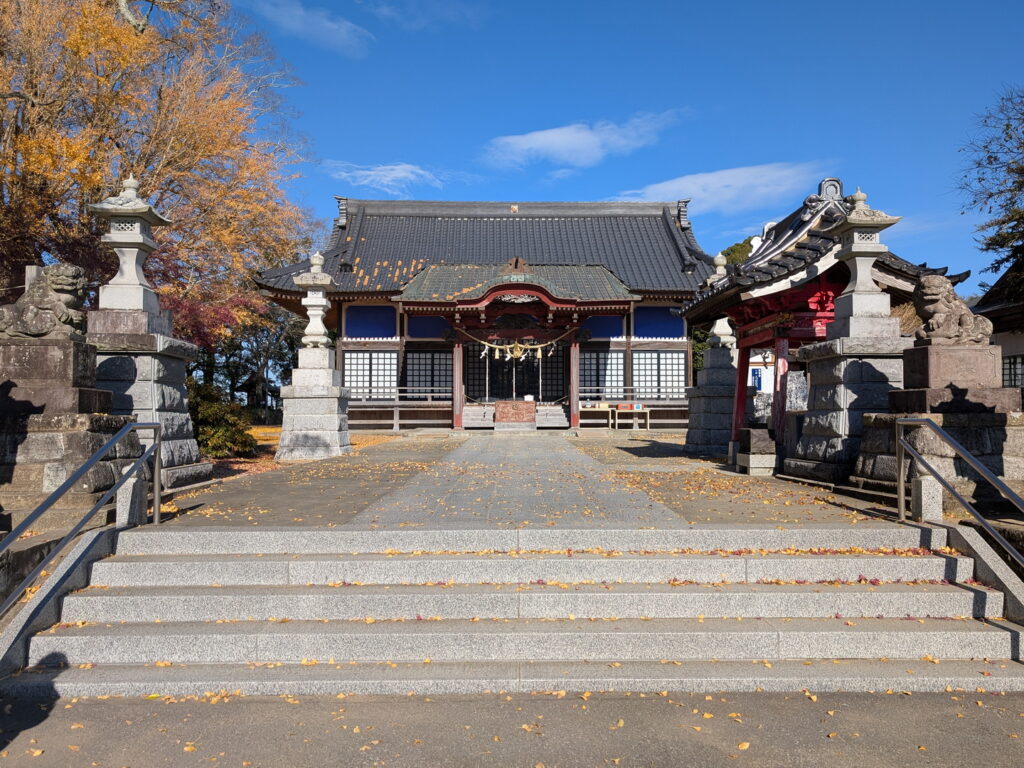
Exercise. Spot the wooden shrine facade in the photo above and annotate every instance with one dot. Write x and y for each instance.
(781, 322)
(565, 305)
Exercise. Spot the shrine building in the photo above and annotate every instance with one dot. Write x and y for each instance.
(783, 296)
(443, 309)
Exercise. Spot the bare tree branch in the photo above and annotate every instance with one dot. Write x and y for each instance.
(139, 24)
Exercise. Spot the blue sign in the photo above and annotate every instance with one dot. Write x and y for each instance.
(755, 377)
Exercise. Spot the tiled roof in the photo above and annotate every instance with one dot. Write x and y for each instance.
(1007, 292)
(378, 246)
(452, 282)
(791, 245)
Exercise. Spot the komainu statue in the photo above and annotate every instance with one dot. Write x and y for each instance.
(50, 308)
(947, 320)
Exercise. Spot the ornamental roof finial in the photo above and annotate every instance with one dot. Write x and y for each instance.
(130, 187)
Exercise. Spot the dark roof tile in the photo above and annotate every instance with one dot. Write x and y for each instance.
(385, 243)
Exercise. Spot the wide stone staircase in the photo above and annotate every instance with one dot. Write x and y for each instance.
(186, 610)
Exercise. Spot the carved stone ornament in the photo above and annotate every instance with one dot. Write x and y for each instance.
(50, 308)
(947, 320)
(517, 298)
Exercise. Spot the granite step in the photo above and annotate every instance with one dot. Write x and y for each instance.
(523, 640)
(169, 539)
(240, 570)
(504, 676)
(199, 603)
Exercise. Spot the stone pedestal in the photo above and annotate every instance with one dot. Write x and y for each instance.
(50, 376)
(849, 377)
(315, 424)
(711, 400)
(144, 368)
(943, 378)
(51, 421)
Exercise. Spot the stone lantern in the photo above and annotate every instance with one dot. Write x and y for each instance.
(315, 424)
(316, 282)
(863, 309)
(711, 399)
(131, 238)
(138, 358)
(860, 363)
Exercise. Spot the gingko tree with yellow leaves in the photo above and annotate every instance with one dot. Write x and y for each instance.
(172, 92)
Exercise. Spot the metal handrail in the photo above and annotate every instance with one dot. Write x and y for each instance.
(67, 485)
(903, 446)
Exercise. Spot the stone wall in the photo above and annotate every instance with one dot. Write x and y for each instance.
(995, 439)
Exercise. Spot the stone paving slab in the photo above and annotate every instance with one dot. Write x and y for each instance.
(477, 481)
(221, 539)
(515, 481)
(465, 601)
(525, 640)
(454, 677)
(323, 493)
(157, 570)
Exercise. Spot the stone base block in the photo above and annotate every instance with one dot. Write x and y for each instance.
(327, 422)
(946, 400)
(149, 387)
(937, 366)
(757, 464)
(129, 322)
(817, 470)
(51, 400)
(304, 446)
(756, 441)
(720, 358)
(515, 426)
(183, 475)
(47, 363)
(314, 377)
(315, 424)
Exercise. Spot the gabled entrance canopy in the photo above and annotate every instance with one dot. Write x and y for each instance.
(783, 295)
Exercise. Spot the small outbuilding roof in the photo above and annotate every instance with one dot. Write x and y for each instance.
(786, 249)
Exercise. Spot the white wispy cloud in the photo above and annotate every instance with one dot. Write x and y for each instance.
(418, 14)
(731, 190)
(578, 145)
(391, 178)
(316, 25)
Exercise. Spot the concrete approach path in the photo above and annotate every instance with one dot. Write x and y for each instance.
(487, 480)
(674, 730)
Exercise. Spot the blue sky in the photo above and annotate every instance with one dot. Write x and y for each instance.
(742, 106)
